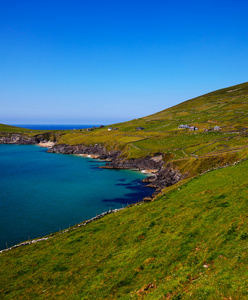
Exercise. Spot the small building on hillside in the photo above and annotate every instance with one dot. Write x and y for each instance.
(182, 126)
(140, 128)
(217, 128)
(193, 128)
(110, 129)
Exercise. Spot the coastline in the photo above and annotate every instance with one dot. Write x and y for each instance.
(89, 156)
(94, 156)
(44, 144)
(127, 182)
(149, 171)
(160, 174)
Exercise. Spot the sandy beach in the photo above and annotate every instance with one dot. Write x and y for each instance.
(46, 144)
(89, 155)
(149, 171)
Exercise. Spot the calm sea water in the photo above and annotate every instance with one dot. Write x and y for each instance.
(54, 126)
(42, 192)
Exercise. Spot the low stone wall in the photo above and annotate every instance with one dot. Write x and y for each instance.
(64, 231)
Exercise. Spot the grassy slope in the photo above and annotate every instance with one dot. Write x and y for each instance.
(190, 243)
(13, 129)
(191, 152)
(227, 108)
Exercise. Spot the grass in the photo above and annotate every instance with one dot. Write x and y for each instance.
(13, 129)
(190, 243)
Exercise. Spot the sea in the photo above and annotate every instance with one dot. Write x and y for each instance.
(54, 126)
(43, 192)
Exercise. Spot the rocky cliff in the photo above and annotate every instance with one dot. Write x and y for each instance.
(98, 150)
(17, 138)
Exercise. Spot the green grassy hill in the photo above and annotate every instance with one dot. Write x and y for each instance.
(13, 129)
(190, 243)
(194, 152)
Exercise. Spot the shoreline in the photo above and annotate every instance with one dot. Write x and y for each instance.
(159, 174)
(94, 156)
(157, 178)
(48, 144)
(25, 243)
(149, 172)
(41, 238)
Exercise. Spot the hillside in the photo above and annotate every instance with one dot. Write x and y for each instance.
(191, 152)
(13, 129)
(190, 243)
(226, 108)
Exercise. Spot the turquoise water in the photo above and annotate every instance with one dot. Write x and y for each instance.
(42, 192)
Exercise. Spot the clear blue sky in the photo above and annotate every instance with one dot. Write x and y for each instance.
(95, 61)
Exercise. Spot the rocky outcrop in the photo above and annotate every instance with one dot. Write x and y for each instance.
(165, 177)
(17, 138)
(144, 163)
(97, 150)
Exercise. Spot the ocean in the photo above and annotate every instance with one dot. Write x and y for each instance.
(44, 192)
(53, 126)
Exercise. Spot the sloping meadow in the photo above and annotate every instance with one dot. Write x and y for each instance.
(190, 243)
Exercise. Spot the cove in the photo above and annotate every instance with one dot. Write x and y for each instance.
(42, 192)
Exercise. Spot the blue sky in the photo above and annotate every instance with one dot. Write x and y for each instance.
(93, 62)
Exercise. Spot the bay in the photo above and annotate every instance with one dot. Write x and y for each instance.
(43, 192)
